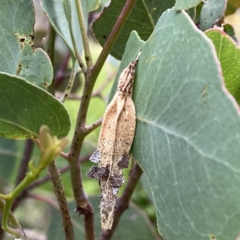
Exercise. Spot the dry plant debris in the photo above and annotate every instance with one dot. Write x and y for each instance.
(114, 143)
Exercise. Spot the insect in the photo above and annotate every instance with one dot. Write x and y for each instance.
(114, 143)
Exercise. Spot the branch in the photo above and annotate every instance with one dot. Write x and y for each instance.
(68, 13)
(59, 192)
(41, 181)
(70, 81)
(64, 155)
(112, 38)
(62, 202)
(123, 201)
(25, 160)
(44, 199)
(93, 126)
(31, 176)
(88, 56)
(83, 206)
(47, 177)
(52, 168)
(82, 202)
(14, 222)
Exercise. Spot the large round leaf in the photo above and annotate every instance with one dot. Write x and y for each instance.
(26, 107)
(17, 53)
(187, 136)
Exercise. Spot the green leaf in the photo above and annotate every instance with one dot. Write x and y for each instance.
(229, 30)
(191, 12)
(18, 56)
(212, 10)
(187, 135)
(59, 14)
(198, 13)
(142, 19)
(229, 56)
(140, 225)
(26, 107)
(186, 4)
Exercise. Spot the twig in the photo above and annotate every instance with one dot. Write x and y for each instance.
(25, 160)
(70, 81)
(123, 201)
(64, 155)
(47, 177)
(52, 168)
(62, 202)
(82, 202)
(67, 74)
(28, 179)
(93, 126)
(14, 222)
(112, 38)
(83, 205)
(68, 13)
(88, 56)
(41, 181)
(49, 48)
(44, 199)
(1, 232)
(74, 96)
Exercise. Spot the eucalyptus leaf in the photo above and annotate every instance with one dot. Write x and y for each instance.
(17, 53)
(26, 107)
(229, 56)
(142, 19)
(187, 135)
(212, 11)
(62, 15)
